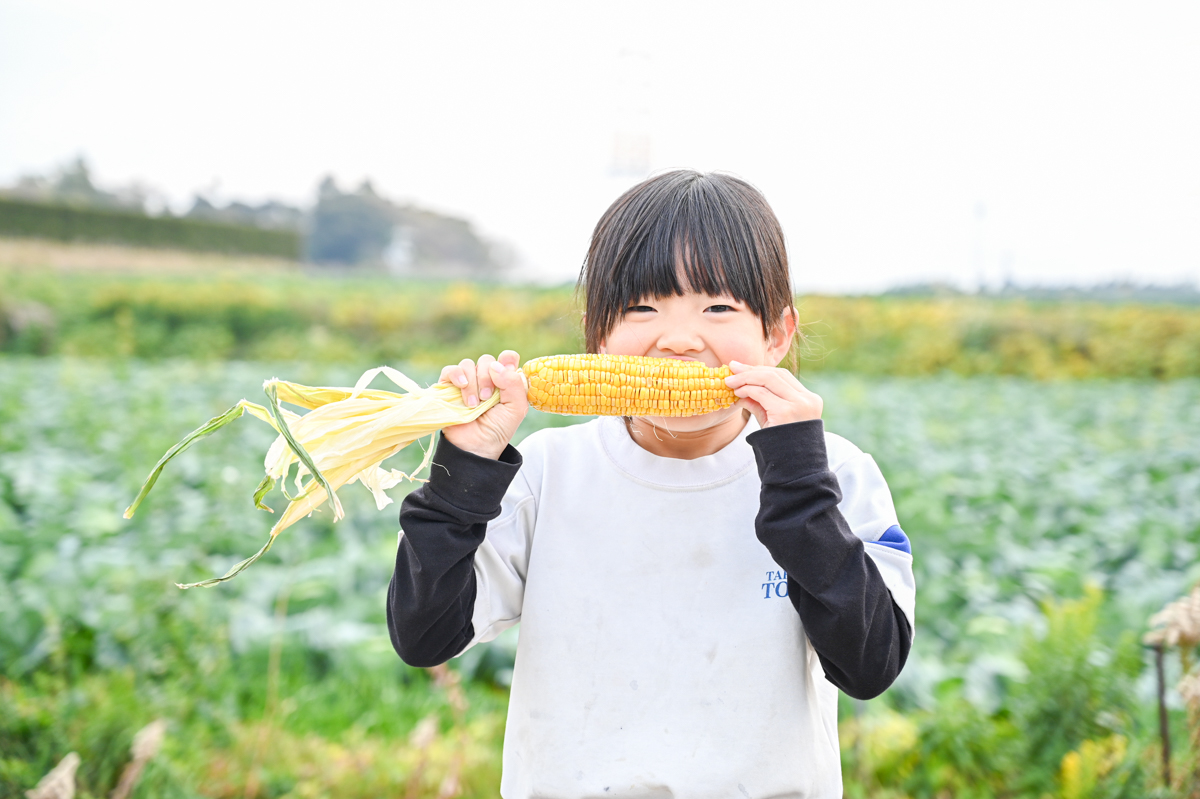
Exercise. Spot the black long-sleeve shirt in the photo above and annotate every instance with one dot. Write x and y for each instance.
(852, 622)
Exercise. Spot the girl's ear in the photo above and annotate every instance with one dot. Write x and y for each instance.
(779, 342)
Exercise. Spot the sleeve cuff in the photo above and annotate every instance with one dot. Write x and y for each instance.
(470, 482)
(789, 452)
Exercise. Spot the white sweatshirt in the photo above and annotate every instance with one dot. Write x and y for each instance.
(659, 654)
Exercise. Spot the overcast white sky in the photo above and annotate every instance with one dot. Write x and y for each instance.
(897, 142)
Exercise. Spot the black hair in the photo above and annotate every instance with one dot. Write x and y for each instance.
(716, 230)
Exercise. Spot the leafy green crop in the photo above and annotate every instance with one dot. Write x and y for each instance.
(1016, 495)
(1015, 492)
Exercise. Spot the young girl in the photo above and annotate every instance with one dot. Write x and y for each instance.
(692, 592)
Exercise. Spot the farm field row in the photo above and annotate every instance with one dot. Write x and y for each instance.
(281, 315)
(1031, 505)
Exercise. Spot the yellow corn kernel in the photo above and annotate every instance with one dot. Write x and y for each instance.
(626, 385)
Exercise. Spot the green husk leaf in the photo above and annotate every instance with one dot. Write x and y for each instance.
(229, 575)
(208, 428)
(277, 414)
(268, 482)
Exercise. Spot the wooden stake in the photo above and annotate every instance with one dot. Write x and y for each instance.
(1164, 727)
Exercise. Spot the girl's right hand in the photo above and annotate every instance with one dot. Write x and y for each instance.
(488, 435)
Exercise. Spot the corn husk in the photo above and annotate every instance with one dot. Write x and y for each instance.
(60, 782)
(343, 438)
(1177, 624)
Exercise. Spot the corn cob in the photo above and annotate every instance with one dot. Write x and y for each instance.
(348, 432)
(626, 385)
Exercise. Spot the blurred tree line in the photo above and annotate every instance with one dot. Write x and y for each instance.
(72, 185)
(359, 227)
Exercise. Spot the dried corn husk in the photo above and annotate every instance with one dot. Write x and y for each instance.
(345, 436)
(59, 783)
(146, 743)
(1177, 624)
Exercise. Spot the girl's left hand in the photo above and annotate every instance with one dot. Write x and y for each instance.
(773, 395)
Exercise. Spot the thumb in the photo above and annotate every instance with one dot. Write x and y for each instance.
(757, 410)
(511, 384)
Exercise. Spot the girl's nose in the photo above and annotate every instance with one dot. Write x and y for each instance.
(679, 342)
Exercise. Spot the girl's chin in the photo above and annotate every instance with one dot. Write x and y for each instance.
(692, 424)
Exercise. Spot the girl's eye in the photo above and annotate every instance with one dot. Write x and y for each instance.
(720, 308)
(639, 309)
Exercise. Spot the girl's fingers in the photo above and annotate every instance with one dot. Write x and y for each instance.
(478, 380)
(490, 433)
(781, 410)
(470, 392)
(510, 359)
(484, 376)
(780, 381)
(768, 399)
(453, 375)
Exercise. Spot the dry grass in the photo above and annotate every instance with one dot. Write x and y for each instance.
(461, 761)
(36, 254)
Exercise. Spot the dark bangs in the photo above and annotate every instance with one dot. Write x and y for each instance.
(685, 231)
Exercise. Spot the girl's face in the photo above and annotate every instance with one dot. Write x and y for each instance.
(699, 327)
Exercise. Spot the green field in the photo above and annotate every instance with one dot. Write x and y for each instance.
(1048, 520)
(330, 317)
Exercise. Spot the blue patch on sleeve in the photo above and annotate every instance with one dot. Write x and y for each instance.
(895, 538)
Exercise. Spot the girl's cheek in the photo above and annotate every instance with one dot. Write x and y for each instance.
(753, 356)
(620, 341)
